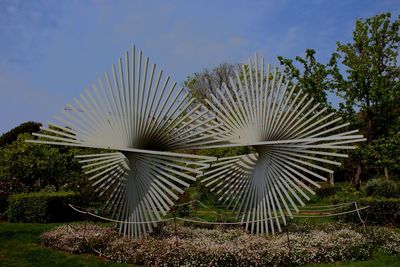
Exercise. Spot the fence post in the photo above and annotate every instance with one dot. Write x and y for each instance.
(288, 238)
(359, 216)
(176, 231)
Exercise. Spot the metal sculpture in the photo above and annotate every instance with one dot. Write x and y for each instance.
(138, 119)
(293, 140)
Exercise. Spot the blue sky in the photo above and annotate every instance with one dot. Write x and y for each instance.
(51, 50)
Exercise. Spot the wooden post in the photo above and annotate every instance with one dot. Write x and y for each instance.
(176, 232)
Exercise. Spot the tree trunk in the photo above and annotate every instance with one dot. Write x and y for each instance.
(331, 179)
(386, 172)
(356, 181)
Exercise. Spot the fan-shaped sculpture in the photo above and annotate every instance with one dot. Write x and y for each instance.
(141, 118)
(293, 139)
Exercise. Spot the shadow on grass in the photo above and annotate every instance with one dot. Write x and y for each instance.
(20, 246)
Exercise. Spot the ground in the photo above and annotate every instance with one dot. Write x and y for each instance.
(20, 246)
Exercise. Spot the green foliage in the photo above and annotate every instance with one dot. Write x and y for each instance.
(323, 194)
(182, 209)
(381, 195)
(385, 211)
(227, 151)
(365, 74)
(326, 190)
(26, 127)
(371, 85)
(345, 192)
(370, 61)
(19, 246)
(382, 188)
(9, 187)
(379, 260)
(384, 153)
(37, 166)
(42, 207)
(313, 77)
(226, 247)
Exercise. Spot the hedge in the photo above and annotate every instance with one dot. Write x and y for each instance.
(326, 190)
(42, 207)
(382, 188)
(381, 211)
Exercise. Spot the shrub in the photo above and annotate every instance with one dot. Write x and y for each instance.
(345, 193)
(182, 209)
(42, 207)
(326, 190)
(385, 211)
(385, 239)
(9, 187)
(382, 188)
(79, 238)
(232, 247)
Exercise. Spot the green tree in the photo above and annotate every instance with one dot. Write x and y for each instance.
(365, 74)
(313, 77)
(37, 166)
(370, 85)
(26, 127)
(27, 167)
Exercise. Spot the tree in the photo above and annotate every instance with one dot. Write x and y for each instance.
(365, 73)
(26, 127)
(37, 166)
(313, 77)
(200, 85)
(370, 85)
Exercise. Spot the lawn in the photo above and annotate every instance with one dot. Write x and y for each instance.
(20, 246)
(380, 260)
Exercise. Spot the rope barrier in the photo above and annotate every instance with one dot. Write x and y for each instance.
(333, 207)
(324, 206)
(190, 202)
(223, 223)
(116, 221)
(309, 208)
(305, 209)
(359, 215)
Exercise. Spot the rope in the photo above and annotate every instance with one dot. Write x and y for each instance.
(359, 215)
(331, 215)
(309, 208)
(304, 209)
(324, 206)
(219, 223)
(334, 207)
(117, 221)
(186, 203)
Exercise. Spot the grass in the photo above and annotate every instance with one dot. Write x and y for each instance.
(380, 260)
(20, 246)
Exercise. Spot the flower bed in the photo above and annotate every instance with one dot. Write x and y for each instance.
(225, 247)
